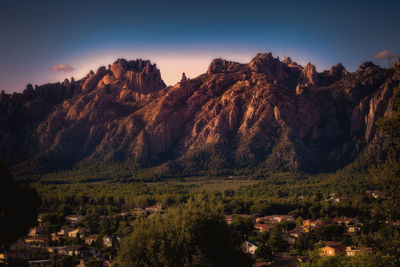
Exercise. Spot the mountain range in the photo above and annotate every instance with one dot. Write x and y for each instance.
(268, 113)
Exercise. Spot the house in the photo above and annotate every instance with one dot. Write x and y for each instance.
(74, 219)
(37, 241)
(272, 219)
(2, 258)
(262, 227)
(37, 231)
(312, 224)
(57, 237)
(73, 250)
(77, 231)
(346, 221)
(296, 232)
(40, 218)
(352, 251)
(55, 250)
(283, 218)
(107, 241)
(90, 239)
(249, 247)
(266, 220)
(351, 229)
(228, 219)
(65, 230)
(396, 223)
(332, 248)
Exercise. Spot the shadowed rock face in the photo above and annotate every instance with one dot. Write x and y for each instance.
(266, 113)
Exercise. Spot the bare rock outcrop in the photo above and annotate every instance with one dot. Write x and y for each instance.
(266, 113)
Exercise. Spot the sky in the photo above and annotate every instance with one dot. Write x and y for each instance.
(47, 41)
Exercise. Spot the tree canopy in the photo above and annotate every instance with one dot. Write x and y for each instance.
(18, 208)
(188, 235)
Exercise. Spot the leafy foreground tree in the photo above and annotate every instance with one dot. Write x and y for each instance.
(362, 260)
(387, 175)
(188, 235)
(263, 252)
(18, 208)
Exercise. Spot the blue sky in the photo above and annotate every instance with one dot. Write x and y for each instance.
(184, 36)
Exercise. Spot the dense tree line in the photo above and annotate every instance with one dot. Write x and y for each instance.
(188, 235)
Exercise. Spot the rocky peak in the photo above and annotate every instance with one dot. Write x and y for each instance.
(338, 69)
(220, 65)
(309, 75)
(93, 79)
(139, 75)
(184, 78)
(337, 72)
(365, 65)
(287, 61)
(266, 64)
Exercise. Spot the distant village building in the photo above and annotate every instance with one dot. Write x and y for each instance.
(296, 232)
(272, 219)
(352, 229)
(346, 221)
(352, 250)
(65, 230)
(249, 247)
(37, 241)
(228, 219)
(90, 239)
(74, 233)
(37, 231)
(283, 218)
(107, 241)
(73, 250)
(332, 248)
(262, 227)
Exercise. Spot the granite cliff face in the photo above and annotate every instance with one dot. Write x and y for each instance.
(269, 113)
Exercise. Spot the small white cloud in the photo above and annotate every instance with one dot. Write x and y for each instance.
(62, 67)
(384, 54)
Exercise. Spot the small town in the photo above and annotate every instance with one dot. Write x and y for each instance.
(273, 240)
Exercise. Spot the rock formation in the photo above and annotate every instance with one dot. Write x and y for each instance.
(184, 78)
(266, 113)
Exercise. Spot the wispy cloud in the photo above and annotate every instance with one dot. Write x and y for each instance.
(62, 67)
(384, 54)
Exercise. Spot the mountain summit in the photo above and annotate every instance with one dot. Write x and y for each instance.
(267, 113)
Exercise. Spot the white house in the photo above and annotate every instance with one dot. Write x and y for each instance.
(249, 247)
